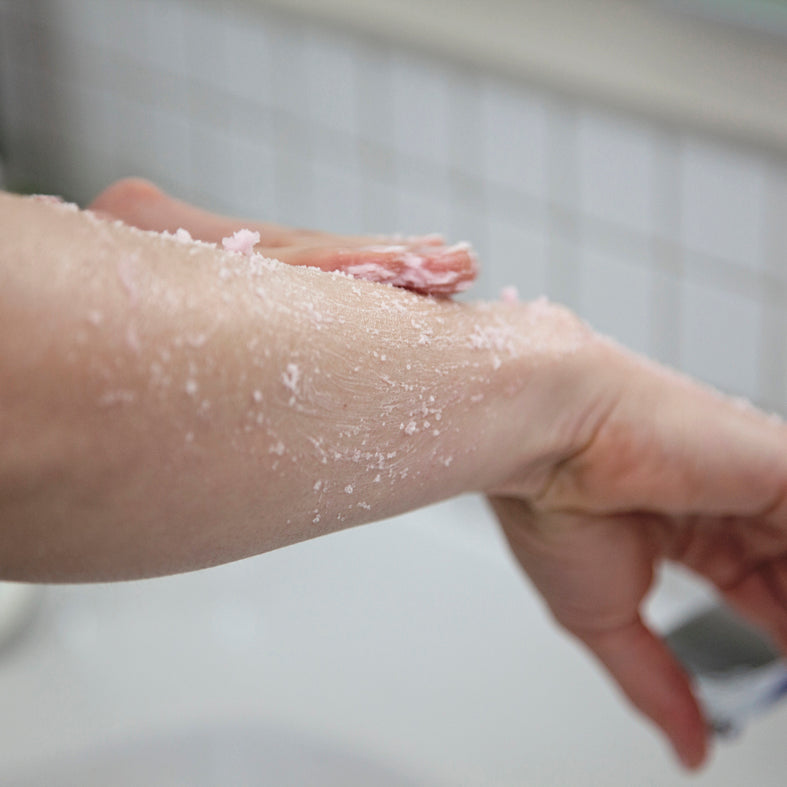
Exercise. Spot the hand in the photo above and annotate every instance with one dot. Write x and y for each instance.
(400, 261)
(671, 471)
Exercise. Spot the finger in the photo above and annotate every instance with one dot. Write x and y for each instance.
(655, 684)
(141, 204)
(432, 270)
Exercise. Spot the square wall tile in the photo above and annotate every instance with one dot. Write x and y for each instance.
(170, 149)
(289, 81)
(516, 255)
(615, 159)
(249, 55)
(616, 298)
(514, 136)
(92, 21)
(330, 61)
(722, 196)
(89, 116)
(421, 111)
(23, 102)
(378, 204)
(338, 198)
(294, 186)
(373, 80)
(209, 160)
(422, 212)
(86, 170)
(776, 219)
(27, 44)
(469, 223)
(721, 337)
(667, 315)
(205, 31)
(466, 130)
(166, 35)
(128, 25)
(131, 131)
(253, 192)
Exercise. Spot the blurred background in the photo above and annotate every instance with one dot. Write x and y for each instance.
(628, 159)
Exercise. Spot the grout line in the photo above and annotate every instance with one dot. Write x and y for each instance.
(772, 352)
(667, 252)
(563, 231)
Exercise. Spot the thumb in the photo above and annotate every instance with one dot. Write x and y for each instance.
(651, 678)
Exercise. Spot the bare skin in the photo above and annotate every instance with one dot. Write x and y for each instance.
(599, 464)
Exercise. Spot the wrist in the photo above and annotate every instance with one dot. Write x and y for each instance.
(549, 400)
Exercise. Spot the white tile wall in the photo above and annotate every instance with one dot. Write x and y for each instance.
(248, 55)
(617, 298)
(517, 255)
(330, 61)
(616, 170)
(721, 337)
(252, 166)
(338, 197)
(515, 131)
(723, 200)
(421, 109)
(424, 209)
(671, 241)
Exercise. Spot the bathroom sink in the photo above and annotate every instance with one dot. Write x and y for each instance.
(248, 755)
(407, 652)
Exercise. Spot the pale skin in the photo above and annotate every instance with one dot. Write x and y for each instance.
(166, 407)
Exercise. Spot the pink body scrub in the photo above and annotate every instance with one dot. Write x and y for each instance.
(243, 242)
(430, 271)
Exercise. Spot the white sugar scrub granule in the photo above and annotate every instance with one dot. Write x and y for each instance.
(117, 397)
(349, 489)
(291, 377)
(509, 294)
(58, 202)
(126, 269)
(197, 340)
(242, 242)
(257, 396)
(183, 235)
(132, 339)
(191, 387)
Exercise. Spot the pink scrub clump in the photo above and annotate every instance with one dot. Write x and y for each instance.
(509, 294)
(432, 272)
(243, 242)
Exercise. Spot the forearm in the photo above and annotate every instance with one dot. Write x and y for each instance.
(166, 406)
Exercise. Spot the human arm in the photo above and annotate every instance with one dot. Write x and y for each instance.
(168, 406)
(600, 463)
